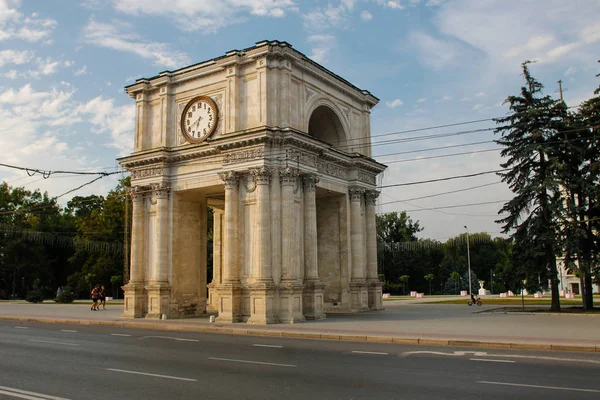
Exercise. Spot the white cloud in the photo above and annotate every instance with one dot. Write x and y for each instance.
(118, 36)
(570, 71)
(421, 100)
(480, 94)
(434, 53)
(81, 71)
(13, 24)
(206, 16)
(12, 74)
(332, 16)
(322, 47)
(365, 15)
(394, 103)
(394, 4)
(15, 57)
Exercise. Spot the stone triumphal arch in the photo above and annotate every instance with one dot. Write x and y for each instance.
(279, 148)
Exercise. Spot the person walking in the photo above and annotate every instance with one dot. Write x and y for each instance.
(102, 298)
(95, 298)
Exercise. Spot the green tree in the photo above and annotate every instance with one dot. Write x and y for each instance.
(429, 278)
(404, 280)
(530, 136)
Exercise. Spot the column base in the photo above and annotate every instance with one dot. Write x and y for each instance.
(213, 298)
(375, 295)
(134, 301)
(158, 294)
(313, 300)
(290, 300)
(262, 304)
(229, 302)
(359, 296)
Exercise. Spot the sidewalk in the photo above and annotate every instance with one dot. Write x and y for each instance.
(402, 321)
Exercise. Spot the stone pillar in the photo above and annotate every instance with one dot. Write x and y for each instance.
(313, 291)
(217, 259)
(134, 303)
(374, 285)
(290, 289)
(262, 292)
(158, 287)
(229, 290)
(358, 285)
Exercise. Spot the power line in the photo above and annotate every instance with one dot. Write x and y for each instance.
(46, 173)
(458, 206)
(444, 155)
(445, 179)
(441, 194)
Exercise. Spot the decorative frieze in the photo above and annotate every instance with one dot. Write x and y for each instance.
(161, 190)
(288, 176)
(332, 169)
(243, 156)
(367, 177)
(301, 157)
(146, 173)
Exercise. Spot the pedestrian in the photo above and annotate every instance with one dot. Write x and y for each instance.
(95, 298)
(102, 297)
(58, 292)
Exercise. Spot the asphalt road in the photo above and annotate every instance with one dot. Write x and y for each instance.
(51, 361)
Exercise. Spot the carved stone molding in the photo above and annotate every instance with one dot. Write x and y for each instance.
(371, 197)
(288, 176)
(243, 155)
(146, 173)
(230, 179)
(310, 182)
(136, 193)
(356, 193)
(301, 157)
(249, 189)
(262, 175)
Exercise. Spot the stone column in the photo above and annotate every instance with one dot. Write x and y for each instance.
(217, 259)
(313, 291)
(158, 287)
(375, 286)
(262, 292)
(134, 298)
(229, 291)
(290, 309)
(358, 287)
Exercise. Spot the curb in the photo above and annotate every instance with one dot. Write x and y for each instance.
(313, 335)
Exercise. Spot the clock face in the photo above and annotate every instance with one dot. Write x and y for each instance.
(199, 119)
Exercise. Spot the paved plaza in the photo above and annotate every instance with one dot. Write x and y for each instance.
(402, 320)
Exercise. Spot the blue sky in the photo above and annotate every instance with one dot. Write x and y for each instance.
(63, 65)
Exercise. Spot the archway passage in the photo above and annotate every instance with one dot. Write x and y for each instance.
(325, 125)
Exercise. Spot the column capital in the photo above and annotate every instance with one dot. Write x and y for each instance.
(230, 179)
(310, 182)
(356, 193)
(288, 176)
(161, 190)
(136, 193)
(372, 196)
(261, 175)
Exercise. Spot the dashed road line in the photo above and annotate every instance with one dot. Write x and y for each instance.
(490, 360)
(252, 362)
(186, 340)
(120, 334)
(178, 378)
(268, 345)
(370, 352)
(21, 327)
(24, 394)
(68, 330)
(46, 341)
(540, 386)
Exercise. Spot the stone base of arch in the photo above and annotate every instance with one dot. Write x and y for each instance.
(312, 303)
(158, 297)
(134, 301)
(375, 295)
(359, 297)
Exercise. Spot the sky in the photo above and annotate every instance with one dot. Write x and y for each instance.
(63, 66)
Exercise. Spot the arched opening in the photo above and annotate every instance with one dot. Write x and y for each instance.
(325, 125)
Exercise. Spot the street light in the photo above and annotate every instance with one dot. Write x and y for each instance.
(469, 261)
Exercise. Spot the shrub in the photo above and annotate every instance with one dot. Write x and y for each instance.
(35, 296)
(66, 296)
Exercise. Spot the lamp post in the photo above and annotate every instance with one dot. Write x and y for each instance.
(469, 261)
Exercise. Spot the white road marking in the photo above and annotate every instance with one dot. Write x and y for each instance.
(252, 362)
(480, 354)
(21, 327)
(540, 386)
(369, 352)
(120, 334)
(24, 394)
(67, 330)
(268, 345)
(155, 375)
(489, 360)
(186, 340)
(45, 341)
